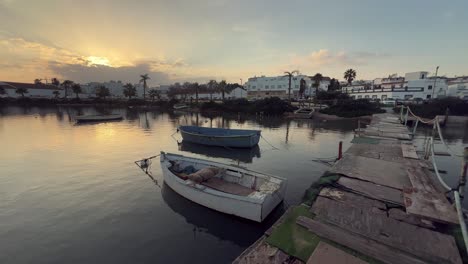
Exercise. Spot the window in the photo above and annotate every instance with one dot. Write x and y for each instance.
(384, 97)
(422, 76)
(393, 86)
(374, 97)
(297, 86)
(429, 87)
(254, 86)
(367, 96)
(354, 97)
(359, 96)
(408, 96)
(266, 86)
(428, 96)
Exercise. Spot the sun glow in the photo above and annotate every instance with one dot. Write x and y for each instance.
(94, 60)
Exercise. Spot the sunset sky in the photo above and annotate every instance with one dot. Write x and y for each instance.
(198, 40)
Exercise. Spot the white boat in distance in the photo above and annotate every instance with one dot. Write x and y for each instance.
(233, 190)
(180, 106)
(304, 113)
(97, 118)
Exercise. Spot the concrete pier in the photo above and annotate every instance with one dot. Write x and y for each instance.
(380, 203)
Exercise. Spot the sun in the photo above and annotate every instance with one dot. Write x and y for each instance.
(94, 60)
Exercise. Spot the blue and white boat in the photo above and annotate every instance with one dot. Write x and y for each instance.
(235, 138)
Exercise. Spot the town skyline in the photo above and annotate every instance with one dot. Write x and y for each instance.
(182, 41)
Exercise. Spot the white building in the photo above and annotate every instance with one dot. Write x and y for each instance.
(415, 85)
(33, 90)
(458, 87)
(237, 93)
(261, 87)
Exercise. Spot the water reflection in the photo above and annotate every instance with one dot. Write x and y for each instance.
(209, 221)
(245, 155)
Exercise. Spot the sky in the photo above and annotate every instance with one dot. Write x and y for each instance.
(198, 40)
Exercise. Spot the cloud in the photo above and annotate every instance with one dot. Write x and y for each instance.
(100, 73)
(24, 60)
(325, 57)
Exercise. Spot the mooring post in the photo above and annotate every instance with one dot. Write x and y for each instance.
(401, 113)
(406, 116)
(462, 180)
(359, 127)
(340, 150)
(447, 111)
(415, 127)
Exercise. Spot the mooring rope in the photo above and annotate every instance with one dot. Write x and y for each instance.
(271, 145)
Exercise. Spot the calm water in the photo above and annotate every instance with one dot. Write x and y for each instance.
(72, 194)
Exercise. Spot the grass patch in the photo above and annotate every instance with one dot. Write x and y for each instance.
(297, 241)
(292, 238)
(457, 234)
(312, 192)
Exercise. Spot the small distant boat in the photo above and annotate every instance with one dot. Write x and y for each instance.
(97, 118)
(236, 138)
(180, 106)
(304, 113)
(229, 189)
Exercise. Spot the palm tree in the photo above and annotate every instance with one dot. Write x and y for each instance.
(154, 93)
(76, 89)
(317, 78)
(144, 78)
(350, 75)
(222, 87)
(129, 90)
(195, 88)
(56, 93)
(290, 75)
(212, 84)
(55, 81)
(102, 91)
(22, 91)
(67, 84)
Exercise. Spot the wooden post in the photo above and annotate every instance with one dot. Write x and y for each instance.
(406, 116)
(447, 111)
(340, 150)
(415, 127)
(401, 113)
(359, 127)
(462, 180)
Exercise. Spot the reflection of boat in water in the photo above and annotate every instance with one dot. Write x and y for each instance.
(228, 189)
(98, 118)
(236, 138)
(245, 155)
(222, 226)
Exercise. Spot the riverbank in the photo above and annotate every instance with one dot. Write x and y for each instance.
(379, 203)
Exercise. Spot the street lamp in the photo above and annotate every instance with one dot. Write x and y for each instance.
(435, 79)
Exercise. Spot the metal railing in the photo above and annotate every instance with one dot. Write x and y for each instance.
(458, 192)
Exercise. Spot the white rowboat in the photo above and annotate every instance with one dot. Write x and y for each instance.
(235, 190)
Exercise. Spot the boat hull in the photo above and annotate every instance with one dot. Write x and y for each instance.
(233, 141)
(98, 118)
(245, 207)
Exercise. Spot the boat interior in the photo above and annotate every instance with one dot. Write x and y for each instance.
(217, 131)
(227, 180)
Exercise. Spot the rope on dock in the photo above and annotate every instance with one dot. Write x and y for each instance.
(429, 146)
